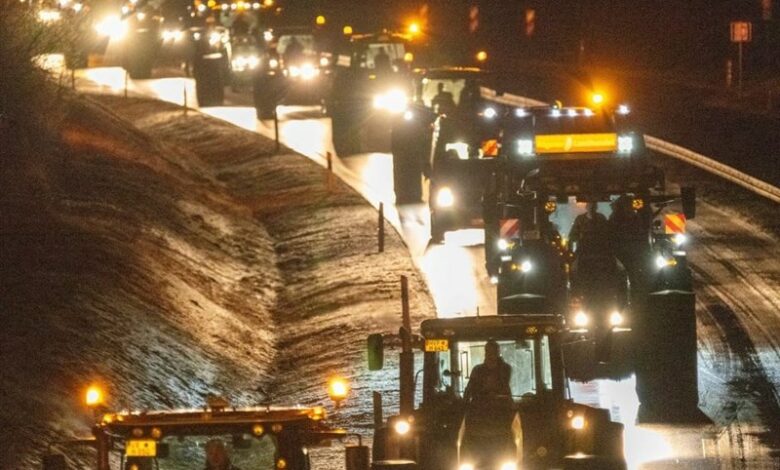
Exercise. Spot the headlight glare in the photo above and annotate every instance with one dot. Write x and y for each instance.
(525, 147)
(402, 427)
(625, 144)
(616, 318)
(578, 422)
(394, 101)
(581, 319)
(508, 466)
(526, 267)
(445, 197)
(460, 148)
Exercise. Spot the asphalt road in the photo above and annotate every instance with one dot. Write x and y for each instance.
(734, 262)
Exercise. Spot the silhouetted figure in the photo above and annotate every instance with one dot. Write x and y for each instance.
(382, 61)
(443, 102)
(217, 457)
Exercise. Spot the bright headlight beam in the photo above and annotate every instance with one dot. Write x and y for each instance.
(402, 427)
(490, 113)
(525, 147)
(503, 244)
(625, 144)
(526, 267)
(581, 319)
(445, 197)
(616, 318)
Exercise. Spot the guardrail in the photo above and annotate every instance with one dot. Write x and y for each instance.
(709, 165)
(762, 188)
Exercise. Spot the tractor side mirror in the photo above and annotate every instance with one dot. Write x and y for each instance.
(54, 462)
(688, 196)
(376, 352)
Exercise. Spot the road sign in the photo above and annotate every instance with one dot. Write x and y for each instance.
(741, 31)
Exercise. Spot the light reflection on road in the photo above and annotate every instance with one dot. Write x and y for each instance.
(455, 271)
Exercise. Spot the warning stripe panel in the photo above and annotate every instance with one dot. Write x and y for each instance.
(509, 228)
(674, 223)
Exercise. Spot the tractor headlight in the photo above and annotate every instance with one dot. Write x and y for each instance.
(526, 267)
(393, 101)
(662, 262)
(214, 38)
(525, 147)
(578, 422)
(489, 113)
(503, 244)
(625, 144)
(680, 239)
(581, 319)
(273, 63)
(402, 427)
(445, 197)
(242, 63)
(616, 318)
(408, 115)
(508, 466)
(466, 466)
(324, 61)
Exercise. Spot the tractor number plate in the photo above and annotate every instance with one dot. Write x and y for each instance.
(437, 345)
(141, 448)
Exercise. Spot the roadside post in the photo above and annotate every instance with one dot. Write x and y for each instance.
(276, 128)
(127, 80)
(741, 32)
(406, 365)
(184, 98)
(381, 227)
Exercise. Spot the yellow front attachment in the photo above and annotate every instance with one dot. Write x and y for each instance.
(576, 143)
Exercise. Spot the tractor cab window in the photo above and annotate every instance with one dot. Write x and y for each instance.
(381, 55)
(429, 89)
(188, 452)
(529, 360)
(295, 47)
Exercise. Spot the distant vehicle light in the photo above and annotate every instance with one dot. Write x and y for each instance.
(320, 20)
(273, 63)
(445, 198)
(408, 57)
(49, 16)
(140, 16)
(466, 466)
(555, 113)
(268, 36)
(588, 112)
(172, 35)
(494, 280)
(347, 30)
(525, 147)
(408, 115)
(202, 8)
(521, 113)
(581, 319)
(508, 466)
(324, 61)
(623, 109)
(112, 27)
(482, 56)
(571, 113)
(414, 28)
(625, 144)
(526, 267)
(460, 148)
(597, 98)
(489, 113)
(615, 318)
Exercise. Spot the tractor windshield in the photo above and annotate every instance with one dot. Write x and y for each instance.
(430, 89)
(382, 54)
(529, 360)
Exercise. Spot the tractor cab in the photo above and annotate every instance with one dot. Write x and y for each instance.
(530, 423)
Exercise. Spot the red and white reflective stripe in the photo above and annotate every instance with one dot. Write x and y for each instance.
(509, 228)
(674, 223)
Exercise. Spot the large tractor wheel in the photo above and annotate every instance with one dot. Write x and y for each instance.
(667, 368)
(407, 177)
(346, 134)
(209, 82)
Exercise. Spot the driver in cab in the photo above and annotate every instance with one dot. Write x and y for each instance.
(489, 381)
